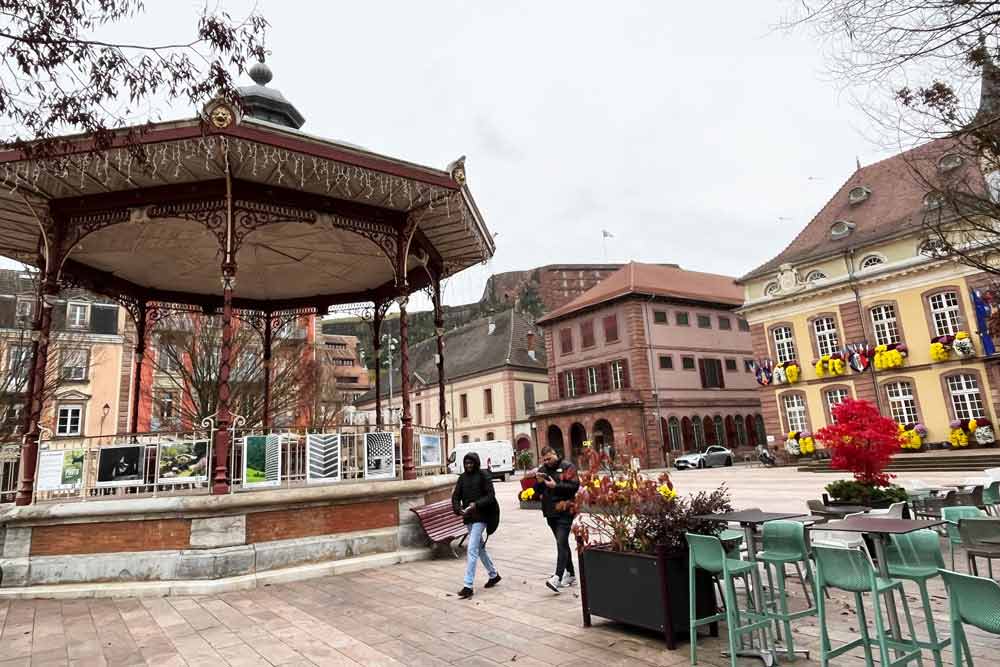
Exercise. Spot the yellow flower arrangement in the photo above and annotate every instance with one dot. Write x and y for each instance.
(828, 365)
(939, 352)
(886, 358)
(820, 368)
(792, 373)
(527, 494)
(958, 438)
(837, 367)
(973, 425)
(806, 445)
(666, 491)
(909, 438)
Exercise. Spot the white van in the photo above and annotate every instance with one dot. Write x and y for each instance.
(497, 456)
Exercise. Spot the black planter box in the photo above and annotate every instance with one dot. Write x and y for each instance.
(642, 590)
(531, 504)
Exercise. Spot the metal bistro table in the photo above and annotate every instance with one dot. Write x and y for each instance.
(749, 520)
(881, 531)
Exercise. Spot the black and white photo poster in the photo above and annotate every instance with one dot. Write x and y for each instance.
(380, 456)
(323, 452)
(120, 465)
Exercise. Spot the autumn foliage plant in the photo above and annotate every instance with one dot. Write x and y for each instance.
(862, 442)
(630, 512)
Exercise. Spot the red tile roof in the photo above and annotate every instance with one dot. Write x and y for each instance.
(895, 205)
(669, 282)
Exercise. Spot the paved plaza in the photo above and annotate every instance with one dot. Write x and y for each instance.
(409, 615)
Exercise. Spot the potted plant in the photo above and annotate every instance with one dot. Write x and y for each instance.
(862, 441)
(526, 498)
(633, 553)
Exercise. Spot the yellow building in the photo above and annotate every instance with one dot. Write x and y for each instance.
(864, 273)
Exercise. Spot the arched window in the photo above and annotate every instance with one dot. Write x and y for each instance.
(884, 324)
(708, 427)
(720, 431)
(933, 248)
(902, 403)
(966, 400)
(771, 288)
(699, 432)
(674, 433)
(815, 276)
(761, 431)
(871, 261)
(784, 344)
(741, 431)
(858, 195)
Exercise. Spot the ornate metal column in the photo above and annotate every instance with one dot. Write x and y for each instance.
(141, 327)
(224, 418)
(439, 333)
(42, 325)
(268, 337)
(377, 315)
(406, 432)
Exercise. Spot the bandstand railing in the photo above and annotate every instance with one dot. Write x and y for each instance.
(174, 463)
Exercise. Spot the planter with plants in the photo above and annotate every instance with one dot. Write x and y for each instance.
(526, 499)
(633, 554)
(862, 441)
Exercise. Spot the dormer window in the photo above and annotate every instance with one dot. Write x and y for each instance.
(933, 248)
(840, 229)
(815, 276)
(934, 200)
(950, 162)
(871, 261)
(771, 288)
(858, 195)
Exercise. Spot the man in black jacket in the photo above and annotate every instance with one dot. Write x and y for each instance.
(557, 483)
(475, 501)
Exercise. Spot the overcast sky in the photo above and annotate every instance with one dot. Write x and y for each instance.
(692, 132)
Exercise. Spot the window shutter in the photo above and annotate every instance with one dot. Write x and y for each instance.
(103, 319)
(562, 384)
(611, 328)
(580, 377)
(7, 310)
(625, 379)
(720, 374)
(703, 371)
(603, 377)
(59, 316)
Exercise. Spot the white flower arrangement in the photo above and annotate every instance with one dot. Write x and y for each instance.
(792, 447)
(984, 435)
(963, 347)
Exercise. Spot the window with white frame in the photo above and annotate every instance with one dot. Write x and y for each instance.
(884, 324)
(826, 335)
(835, 397)
(13, 416)
(784, 345)
(965, 396)
(77, 315)
(945, 313)
(167, 357)
(570, 384)
(18, 361)
(69, 420)
(591, 380)
(795, 412)
(871, 261)
(74, 364)
(23, 312)
(902, 404)
(815, 276)
(618, 374)
(698, 430)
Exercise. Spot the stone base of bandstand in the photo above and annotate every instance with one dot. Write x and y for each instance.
(189, 545)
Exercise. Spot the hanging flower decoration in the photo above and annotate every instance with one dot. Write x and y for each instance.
(890, 356)
(959, 346)
(911, 436)
(792, 372)
(859, 356)
(964, 432)
(762, 371)
(800, 443)
(831, 365)
(785, 373)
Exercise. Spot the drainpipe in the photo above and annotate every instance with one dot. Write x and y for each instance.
(852, 281)
(653, 367)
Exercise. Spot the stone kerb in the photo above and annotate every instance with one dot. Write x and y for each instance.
(199, 538)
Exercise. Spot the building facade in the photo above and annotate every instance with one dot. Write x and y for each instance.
(652, 355)
(865, 273)
(495, 376)
(342, 355)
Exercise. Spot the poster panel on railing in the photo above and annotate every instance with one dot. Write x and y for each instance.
(120, 465)
(380, 455)
(183, 462)
(323, 454)
(60, 469)
(430, 450)
(262, 461)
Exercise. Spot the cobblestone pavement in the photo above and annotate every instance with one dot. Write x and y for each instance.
(409, 615)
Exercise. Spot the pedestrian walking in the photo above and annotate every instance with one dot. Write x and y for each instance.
(557, 484)
(475, 501)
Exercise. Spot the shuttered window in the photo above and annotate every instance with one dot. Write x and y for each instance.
(566, 341)
(611, 329)
(711, 373)
(587, 333)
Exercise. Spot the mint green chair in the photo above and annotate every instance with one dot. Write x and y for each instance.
(851, 570)
(991, 498)
(973, 600)
(917, 557)
(785, 543)
(707, 553)
(952, 515)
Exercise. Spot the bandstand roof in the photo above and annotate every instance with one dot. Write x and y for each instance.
(310, 222)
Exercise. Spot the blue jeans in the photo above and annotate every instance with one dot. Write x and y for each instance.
(477, 551)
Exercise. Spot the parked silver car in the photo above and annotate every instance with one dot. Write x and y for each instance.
(710, 458)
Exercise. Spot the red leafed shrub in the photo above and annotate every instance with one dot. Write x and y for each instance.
(862, 441)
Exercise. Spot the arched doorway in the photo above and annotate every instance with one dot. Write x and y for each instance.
(731, 432)
(554, 439)
(751, 431)
(708, 427)
(761, 431)
(674, 434)
(741, 430)
(698, 428)
(577, 434)
(688, 432)
(604, 438)
(720, 431)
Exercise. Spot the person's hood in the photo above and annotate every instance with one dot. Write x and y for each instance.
(474, 457)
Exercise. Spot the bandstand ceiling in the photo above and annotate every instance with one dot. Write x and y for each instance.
(306, 218)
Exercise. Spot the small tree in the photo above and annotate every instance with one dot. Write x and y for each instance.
(861, 441)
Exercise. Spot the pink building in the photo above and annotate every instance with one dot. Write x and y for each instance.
(653, 355)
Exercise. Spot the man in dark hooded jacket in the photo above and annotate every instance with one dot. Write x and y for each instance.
(557, 483)
(474, 500)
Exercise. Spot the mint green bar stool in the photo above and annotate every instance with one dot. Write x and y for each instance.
(785, 543)
(917, 557)
(973, 600)
(991, 498)
(851, 570)
(707, 553)
(952, 515)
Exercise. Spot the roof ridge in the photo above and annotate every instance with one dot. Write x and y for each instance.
(510, 343)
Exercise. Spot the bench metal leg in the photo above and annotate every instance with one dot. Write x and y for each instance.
(454, 551)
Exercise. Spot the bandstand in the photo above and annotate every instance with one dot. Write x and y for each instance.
(236, 213)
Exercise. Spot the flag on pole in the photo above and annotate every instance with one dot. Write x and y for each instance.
(606, 234)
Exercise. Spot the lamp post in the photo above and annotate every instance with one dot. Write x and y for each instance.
(390, 345)
(104, 415)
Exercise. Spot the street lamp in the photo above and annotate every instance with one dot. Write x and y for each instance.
(104, 415)
(390, 345)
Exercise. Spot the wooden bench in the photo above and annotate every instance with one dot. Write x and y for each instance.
(441, 524)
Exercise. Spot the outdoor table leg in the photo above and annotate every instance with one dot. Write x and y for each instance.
(883, 572)
(764, 652)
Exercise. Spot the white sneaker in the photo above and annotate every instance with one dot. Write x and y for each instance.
(567, 580)
(553, 583)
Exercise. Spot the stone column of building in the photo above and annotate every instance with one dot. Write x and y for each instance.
(406, 431)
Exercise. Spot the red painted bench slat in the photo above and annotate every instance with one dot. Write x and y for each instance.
(439, 521)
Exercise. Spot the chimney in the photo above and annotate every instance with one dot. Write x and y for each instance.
(989, 93)
(491, 327)
(531, 344)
